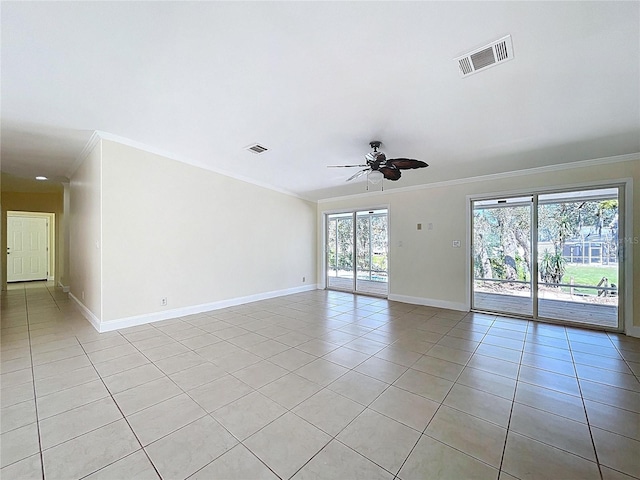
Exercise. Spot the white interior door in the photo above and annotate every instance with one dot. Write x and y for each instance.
(27, 249)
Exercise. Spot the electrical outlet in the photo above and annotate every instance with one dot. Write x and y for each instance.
(163, 301)
(455, 244)
(83, 294)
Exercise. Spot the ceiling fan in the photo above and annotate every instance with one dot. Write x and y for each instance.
(378, 166)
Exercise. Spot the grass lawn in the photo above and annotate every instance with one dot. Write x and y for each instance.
(590, 274)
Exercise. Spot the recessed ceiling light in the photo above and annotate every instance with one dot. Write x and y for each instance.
(40, 177)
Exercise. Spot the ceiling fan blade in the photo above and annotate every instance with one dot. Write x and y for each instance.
(359, 174)
(406, 163)
(345, 166)
(390, 173)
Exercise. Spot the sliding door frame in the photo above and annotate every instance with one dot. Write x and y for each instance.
(625, 254)
(504, 199)
(324, 247)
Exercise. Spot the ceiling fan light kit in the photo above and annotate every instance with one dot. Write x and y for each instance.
(379, 167)
(375, 177)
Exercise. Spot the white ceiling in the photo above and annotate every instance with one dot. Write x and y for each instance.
(316, 81)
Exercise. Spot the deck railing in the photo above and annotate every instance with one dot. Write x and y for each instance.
(600, 288)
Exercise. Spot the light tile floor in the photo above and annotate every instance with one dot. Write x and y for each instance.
(316, 385)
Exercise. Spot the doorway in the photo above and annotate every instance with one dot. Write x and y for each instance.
(552, 256)
(30, 242)
(502, 249)
(357, 246)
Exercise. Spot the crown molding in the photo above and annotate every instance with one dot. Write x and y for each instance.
(101, 135)
(86, 150)
(495, 176)
(178, 158)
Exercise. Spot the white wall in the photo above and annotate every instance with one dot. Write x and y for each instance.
(426, 267)
(84, 217)
(194, 236)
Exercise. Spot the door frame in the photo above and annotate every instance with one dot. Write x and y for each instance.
(533, 233)
(323, 241)
(51, 238)
(625, 262)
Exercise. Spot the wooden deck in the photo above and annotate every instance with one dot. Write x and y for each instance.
(575, 312)
(604, 316)
(368, 287)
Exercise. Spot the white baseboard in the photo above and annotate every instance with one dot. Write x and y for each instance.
(65, 288)
(86, 313)
(430, 302)
(193, 309)
(633, 331)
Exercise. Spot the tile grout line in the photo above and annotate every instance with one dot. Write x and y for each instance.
(513, 401)
(207, 413)
(124, 417)
(423, 354)
(223, 453)
(350, 369)
(335, 437)
(442, 403)
(290, 410)
(33, 380)
(256, 390)
(626, 362)
(584, 406)
(580, 396)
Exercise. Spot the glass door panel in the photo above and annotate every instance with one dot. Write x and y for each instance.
(340, 251)
(502, 248)
(357, 252)
(371, 252)
(578, 256)
(573, 238)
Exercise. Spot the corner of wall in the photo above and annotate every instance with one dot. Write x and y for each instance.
(84, 227)
(86, 313)
(430, 302)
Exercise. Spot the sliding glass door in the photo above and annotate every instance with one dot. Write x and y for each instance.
(339, 238)
(578, 256)
(502, 279)
(550, 256)
(357, 252)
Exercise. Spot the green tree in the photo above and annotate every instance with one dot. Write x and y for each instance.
(501, 242)
(552, 267)
(562, 221)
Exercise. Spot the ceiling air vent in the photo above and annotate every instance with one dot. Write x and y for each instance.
(257, 148)
(487, 56)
